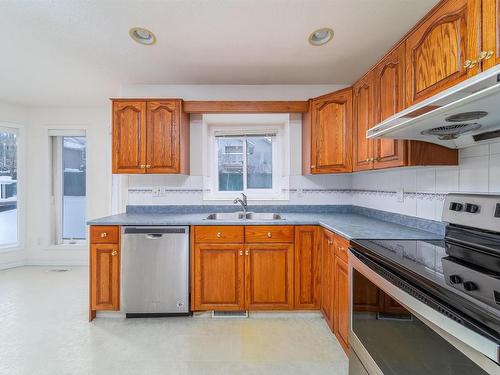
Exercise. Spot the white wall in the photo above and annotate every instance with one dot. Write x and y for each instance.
(13, 114)
(97, 123)
(478, 172)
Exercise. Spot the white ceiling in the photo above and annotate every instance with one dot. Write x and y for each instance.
(76, 52)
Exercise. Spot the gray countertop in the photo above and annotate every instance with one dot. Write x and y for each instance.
(348, 225)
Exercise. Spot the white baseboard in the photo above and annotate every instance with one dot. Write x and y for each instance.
(7, 265)
(56, 263)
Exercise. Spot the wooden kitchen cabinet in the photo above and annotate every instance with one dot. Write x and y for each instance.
(105, 276)
(327, 134)
(439, 47)
(150, 136)
(129, 137)
(364, 119)
(328, 277)
(242, 268)
(307, 262)
(218, 277)
(341, 302)
(269, 276)
(490, 50)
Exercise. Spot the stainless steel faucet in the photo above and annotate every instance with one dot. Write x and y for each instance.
(243, 202)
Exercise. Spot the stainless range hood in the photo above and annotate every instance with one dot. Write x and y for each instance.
(461, 116)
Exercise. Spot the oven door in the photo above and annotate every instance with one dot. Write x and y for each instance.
(393, 332)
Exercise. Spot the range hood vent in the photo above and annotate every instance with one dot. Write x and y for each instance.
(461, 116)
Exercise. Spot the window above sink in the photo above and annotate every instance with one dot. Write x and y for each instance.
(246, 154)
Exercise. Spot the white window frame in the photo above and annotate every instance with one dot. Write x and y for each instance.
(246, 125)
(57, 186)
(20, 131)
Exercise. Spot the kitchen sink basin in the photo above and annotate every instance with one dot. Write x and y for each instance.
(263, 216)
(226, 216)
(242, 216)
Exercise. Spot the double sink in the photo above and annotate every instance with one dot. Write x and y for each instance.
(244, 216)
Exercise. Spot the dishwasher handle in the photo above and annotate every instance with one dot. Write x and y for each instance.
(154, 231)
(154, 236)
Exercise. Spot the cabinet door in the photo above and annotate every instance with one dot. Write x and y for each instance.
(129, 137)
(105, 276)
(437, 50)
(490, 33)
(342, 303)
(327, 277)
(364, 113)
(389, 99)
(306, 267)
(269, 276)
(218, 277)
(332, 133)
(163, 136)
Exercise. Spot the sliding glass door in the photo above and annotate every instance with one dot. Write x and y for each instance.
(9, 228)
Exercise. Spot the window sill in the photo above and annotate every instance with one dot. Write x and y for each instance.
(65, 247)
(10, 248)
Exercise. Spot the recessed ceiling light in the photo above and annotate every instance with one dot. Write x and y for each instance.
(321, 36)
(142, 35)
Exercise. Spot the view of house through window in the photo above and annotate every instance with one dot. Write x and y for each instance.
(8, 187)
(245, 162)
(70, 188)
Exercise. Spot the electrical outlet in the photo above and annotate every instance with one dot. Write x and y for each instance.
(164, 191)
(400, 195)
(156, 191)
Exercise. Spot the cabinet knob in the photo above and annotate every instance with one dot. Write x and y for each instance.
(219, 234)
(470, 64)
(114, 253)
(104, 235)
(247, 252)
(143, 166)
(330, 242)
(241, 252)
(148, 165)
(485, 55)
(269, 234)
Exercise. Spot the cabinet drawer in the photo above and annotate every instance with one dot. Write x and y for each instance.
(223, 233)
(274, 233)
(341, 247)
(104, 234)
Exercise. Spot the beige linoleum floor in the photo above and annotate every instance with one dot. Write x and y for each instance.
(44, 330)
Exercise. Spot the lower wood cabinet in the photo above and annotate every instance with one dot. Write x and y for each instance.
(254, 275)
(218, 277)
(327, 277)
(307, 263)
(105, 277)
(341, 303)
(269, 276)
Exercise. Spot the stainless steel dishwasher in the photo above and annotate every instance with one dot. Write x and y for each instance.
(155, 271)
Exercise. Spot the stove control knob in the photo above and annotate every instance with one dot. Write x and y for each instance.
(470, 286)
(471, 208)
(455, 279)
(455, 206)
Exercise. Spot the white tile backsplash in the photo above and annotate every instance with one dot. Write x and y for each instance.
(479, 171)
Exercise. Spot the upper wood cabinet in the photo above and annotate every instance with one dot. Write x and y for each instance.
(438, 49)
(327, 134)
(389, 99)
(364, 119)
(150, 137)
(129, 137)
(490, 51)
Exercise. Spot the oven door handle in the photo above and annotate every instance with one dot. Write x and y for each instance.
(419, 304)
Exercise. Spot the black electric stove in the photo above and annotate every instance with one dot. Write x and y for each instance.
(462, 271)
